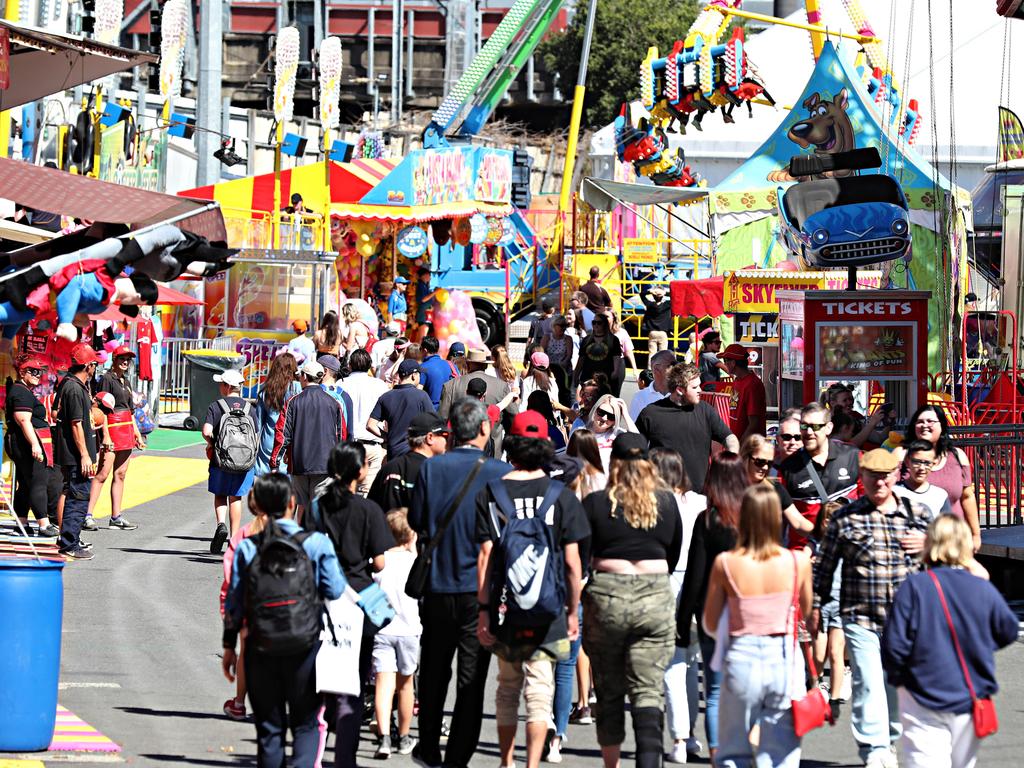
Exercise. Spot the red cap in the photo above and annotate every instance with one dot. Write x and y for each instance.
(530, 424)
(83, 354)
(123, 351)
(30, 361)
(734, 352)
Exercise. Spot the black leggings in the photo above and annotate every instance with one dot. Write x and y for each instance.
(36, 486)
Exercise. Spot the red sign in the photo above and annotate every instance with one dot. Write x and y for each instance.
(5, 59)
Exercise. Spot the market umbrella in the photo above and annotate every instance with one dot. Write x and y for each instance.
(698, 298)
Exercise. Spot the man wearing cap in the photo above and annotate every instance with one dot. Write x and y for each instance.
(329, 383)
(527, 652)
(302, 346)
(748, 409)
(711, 368)
(227, 488)
(125, 435)
(428, 437)
(496, 391)
(398, 307)
(449, 610)
(308, 427)
(657, 318)
(658, 390)
(879, 539)
(434, 372)
(76, 447)
(365, 390)
(394, 411)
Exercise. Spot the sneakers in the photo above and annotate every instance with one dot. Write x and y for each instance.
(836, 705)
(84, 544)
(406, 744)
(581, 715)
(554, 750)
(882, 759)
(219, 537)
(846, 689)
(235, 709)
(424, 762)
(693, 746)
(383, 748)
(89, 524)
(77, 553)
(121, 523)
(47, 531)
(678, 754)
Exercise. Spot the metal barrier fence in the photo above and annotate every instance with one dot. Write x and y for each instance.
(174, 387)
(996, 453)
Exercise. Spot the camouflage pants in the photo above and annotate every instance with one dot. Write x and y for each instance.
(629, 634)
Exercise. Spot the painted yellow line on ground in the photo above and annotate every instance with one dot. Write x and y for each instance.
(152, 477)
(22, 764)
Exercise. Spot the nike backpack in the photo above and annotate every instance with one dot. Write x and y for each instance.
(283, 610)
(235, 447)
(527, 583)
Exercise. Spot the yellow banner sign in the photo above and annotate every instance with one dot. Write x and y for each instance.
(754, 290)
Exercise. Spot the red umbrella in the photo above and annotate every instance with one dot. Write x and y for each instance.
(698, 298)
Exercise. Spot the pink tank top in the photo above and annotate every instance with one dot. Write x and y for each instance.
(759, 614)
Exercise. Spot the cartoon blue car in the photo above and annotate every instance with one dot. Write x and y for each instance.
(845, 222)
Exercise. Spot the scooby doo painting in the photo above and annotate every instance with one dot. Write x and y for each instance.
(827, 128)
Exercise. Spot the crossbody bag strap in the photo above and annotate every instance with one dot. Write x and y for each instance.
(952, 632)
(816, 479)
(443, 526)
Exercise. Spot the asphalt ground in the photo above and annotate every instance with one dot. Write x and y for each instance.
(141, 656)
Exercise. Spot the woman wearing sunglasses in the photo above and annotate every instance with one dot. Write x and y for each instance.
(758, 455)
(608, 419)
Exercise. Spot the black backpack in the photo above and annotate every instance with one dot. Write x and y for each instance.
(283, 609)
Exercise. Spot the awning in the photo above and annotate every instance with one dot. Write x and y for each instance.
(698, 298)
(605, 195)
(22, 233)
(45, 63)
(167, 296)
(416, 213)
(50, 189)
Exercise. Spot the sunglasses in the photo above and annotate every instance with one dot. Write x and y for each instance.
(760, 463)
(788, 438)
(605, 415)
(805, 426)
(33, 371)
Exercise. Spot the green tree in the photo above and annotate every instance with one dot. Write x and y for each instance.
(623, 31)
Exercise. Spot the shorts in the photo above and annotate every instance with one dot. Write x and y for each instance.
(830, 616)
(396, 653)
(224, 483)
(303, 486)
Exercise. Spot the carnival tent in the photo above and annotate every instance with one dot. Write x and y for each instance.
(744, 205)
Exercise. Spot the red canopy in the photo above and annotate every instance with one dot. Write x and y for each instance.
(698, 298)
(168, 296)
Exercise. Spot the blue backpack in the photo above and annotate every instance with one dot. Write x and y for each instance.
(527, 583)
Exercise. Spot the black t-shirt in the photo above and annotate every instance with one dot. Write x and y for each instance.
(615, 538)
(598, 355)
(709, 539)
(214, 413)
(568, 523)
(657, 314)
(109, 382)
(398, 408)
(689, 429)
(393, 485)
(359, 532)
(785, 499)
(22, 399)
(597, 297)
(73, 404)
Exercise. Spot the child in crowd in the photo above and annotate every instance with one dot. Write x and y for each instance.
(396, 648)
(914, 485)
(831, 642)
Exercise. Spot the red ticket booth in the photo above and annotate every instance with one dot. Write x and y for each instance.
(876, 341)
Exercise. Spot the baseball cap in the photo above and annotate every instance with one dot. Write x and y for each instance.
(312, 369)
(106, 400)
(30, 361)
(83, 354)
(122, 351)
(456, 349)
(407, 368)
(530, 424)
(879, 460)
(330, 362)
(733, 352)
(401, 280)
(392, 329)
(628, 446)
(540, 360)
(476, 387)
(426, 423)
(300, 326)
(231, 377)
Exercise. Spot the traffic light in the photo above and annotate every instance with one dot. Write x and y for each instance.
(522, 164)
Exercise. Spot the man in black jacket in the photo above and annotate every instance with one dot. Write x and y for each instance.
(392, 489)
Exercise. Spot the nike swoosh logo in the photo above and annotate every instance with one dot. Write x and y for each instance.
(528, 569)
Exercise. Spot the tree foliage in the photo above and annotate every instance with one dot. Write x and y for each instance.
(623, 31)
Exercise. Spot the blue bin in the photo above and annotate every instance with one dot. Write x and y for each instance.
(32, 604)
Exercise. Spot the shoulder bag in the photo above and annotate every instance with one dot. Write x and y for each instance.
(812, 710)
(983, 711)
(419, 574)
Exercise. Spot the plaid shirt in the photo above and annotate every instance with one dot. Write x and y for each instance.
(874, 563)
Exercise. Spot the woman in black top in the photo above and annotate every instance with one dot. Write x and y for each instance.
(28, 444)
(636, 534)
(125, 435)
(713, 533)
(360, 534)
(600, 352)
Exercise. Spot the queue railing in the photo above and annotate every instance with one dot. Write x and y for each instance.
(995, 453)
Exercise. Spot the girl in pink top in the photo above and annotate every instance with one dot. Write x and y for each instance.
(763, 585)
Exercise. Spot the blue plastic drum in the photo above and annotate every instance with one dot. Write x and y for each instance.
(32, 606)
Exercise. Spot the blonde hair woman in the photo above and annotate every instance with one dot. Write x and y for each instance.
(761, 582)
(627, 604)
(357, 332)
(609, 418)
(921, 659)
(504, 368)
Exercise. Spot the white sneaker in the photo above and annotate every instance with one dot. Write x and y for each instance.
(554, 751)
(882, 759)
(693, 746)
(678, 753)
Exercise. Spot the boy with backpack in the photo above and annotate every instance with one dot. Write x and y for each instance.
(232, 442)
(529, 528)
(280, 578)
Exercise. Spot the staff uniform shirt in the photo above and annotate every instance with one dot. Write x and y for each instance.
(74, 403)
(747, 399)
(874, 564)
(21, 399)
(689, 429)
(110, 382)
(398, 408)
(838, 477)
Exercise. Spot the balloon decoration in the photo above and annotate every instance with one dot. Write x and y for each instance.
(286, 66)
(330, 81)
(455, 320)
(477, 228)
(174, 25)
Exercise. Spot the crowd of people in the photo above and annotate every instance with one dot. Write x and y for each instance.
(602, 550)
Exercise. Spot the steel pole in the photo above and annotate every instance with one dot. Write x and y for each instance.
(208, 98)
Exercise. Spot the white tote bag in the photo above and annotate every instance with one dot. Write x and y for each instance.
(337, 661)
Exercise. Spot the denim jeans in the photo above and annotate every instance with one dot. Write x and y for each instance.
(76, 505)
(682, 696)
(757, 676)
(874, 712)
(565, 683)
(712, 682)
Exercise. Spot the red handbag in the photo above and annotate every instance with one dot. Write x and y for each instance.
(983, 711)
(813, 710)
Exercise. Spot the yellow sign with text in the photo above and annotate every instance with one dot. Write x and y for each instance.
(754, 290)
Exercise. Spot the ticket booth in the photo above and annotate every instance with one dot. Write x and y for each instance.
(876, 341)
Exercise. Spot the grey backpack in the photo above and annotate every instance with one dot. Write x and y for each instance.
(235, 447)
